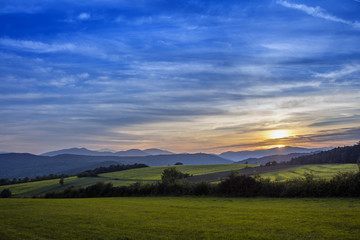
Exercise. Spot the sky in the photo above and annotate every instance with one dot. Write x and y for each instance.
(185, 76)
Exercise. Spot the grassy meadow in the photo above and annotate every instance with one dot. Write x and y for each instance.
(326, 171)
(121, 178)
(180, 218)
(152, 174)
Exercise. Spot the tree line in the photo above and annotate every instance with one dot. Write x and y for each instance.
(235, 185)
(346, 154)
(7, 181)
(111, 168)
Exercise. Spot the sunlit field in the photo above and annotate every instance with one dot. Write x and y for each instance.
(326, 171)
(179, 218)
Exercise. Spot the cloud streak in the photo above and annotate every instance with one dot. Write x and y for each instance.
(35, 46)
(326, 136)
(318, 12)
(346, 70)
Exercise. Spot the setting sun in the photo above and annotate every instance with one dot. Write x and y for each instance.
(279, 134)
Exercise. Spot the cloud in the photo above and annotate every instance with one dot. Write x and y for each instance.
(325, 136)
(35, 46)
(318, 12)
(346, 70)
(337, 121)
(84, 16)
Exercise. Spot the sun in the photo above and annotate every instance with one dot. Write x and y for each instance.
(279, 134)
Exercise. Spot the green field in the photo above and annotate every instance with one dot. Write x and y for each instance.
(179, 218)
(120, 178)
(326, 171)
(151, 174)
(154, 173)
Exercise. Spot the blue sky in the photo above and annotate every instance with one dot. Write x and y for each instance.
(185, 76)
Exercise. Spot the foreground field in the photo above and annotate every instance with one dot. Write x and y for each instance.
(121, 178)
(180, 218)
(326, 171)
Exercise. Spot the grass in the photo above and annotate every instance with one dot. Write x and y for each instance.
(326, 171)
(41, 187)
(121, 178)
(151, 174)
(179, 218)
(154, 173)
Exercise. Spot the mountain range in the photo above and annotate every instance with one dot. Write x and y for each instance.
(19, 165)
(242, 155)
(127, 153)
(74, 160)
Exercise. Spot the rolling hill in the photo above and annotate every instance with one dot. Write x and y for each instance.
(120, 178)
(276, 158)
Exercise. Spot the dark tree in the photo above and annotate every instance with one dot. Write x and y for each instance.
(6, 193)
(61, 182)
(179, 163)
(170, 175)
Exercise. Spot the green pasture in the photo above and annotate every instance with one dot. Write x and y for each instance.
(179, 218)
(326, 171)
(121, 178)
(41, 187)
(154, 173)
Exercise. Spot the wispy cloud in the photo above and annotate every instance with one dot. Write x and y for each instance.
(346, 70)
(338, 121)
(318, 12)
(82, 47)
(35, 46)
(326, 136)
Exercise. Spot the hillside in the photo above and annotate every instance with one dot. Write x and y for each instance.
(18, 165)
(347, 154)
(276, 158)
(324, 171)
(120, 178)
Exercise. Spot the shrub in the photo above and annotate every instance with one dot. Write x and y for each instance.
(6, 193)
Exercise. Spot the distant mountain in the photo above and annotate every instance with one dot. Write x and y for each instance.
(20, 165)
(131, 153)
(155, 151)
(77, 151)
(276, 158)
(242, 155)
(127, 153)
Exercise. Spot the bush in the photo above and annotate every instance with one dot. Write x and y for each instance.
(238, 185)
(203, 188)
(6, 193)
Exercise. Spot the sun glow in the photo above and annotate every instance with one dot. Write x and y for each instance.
(279, 134)
(280, 146)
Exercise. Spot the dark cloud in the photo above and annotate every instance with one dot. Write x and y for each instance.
(337, 121)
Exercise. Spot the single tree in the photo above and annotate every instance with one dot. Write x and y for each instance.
(6, 193)
(61, 181)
